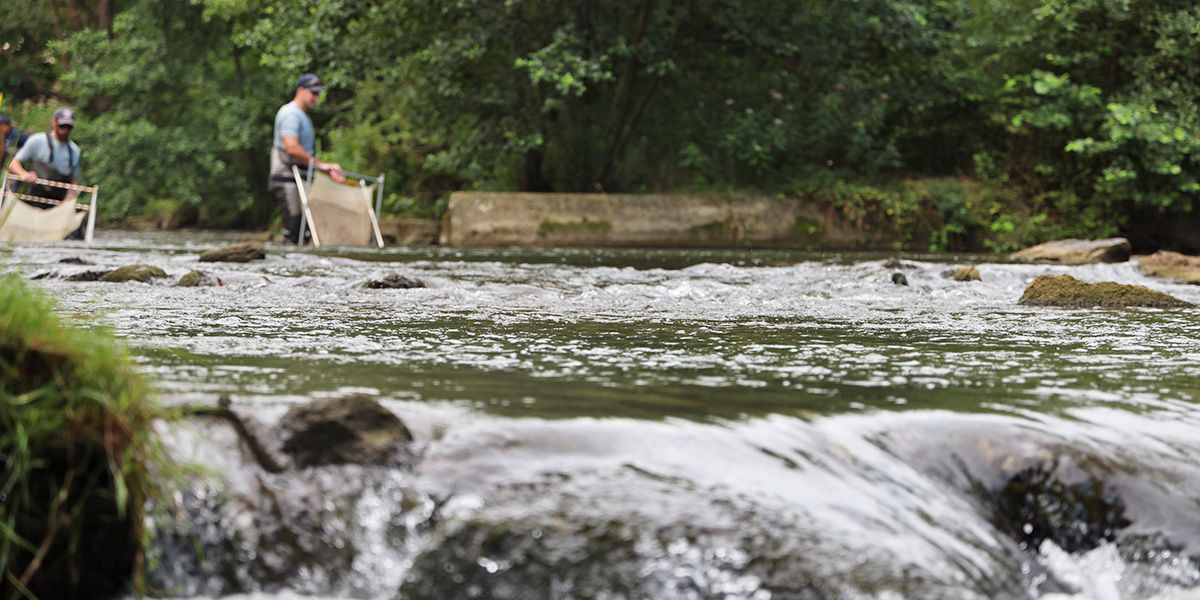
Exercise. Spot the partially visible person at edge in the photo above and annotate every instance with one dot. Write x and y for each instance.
(11, 139)
(52, 156)
(295, 144)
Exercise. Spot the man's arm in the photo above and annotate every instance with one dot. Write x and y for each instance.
(292, 147)
(16, 169)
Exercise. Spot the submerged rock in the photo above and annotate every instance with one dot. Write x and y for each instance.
(86, 276)
(199, 279)
(1036, 505)
(1078, 252)
(1172, 265)
(142, 273)
(899, 278)
(896, 263)
(237, 253)
(395, 281)
(74, 260)
(1069, 292)
(351, 429)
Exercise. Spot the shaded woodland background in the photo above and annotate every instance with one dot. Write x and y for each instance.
(1031, 118)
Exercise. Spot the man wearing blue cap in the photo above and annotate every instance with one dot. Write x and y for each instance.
(295, 144)
(52, 156)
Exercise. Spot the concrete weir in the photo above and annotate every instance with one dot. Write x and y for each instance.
(648, 220)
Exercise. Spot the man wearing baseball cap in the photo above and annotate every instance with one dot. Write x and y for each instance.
(50, 155)
(295, 144)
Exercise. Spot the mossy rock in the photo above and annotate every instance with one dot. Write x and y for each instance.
(237, 253)
(1172, 265)
(966, 274)
(142, 273)
(1069, 292)
(199, 279)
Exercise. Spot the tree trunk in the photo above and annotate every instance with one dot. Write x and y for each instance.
(621, 112)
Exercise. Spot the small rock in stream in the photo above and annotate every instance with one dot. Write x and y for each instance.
(395, 281)
(237, 253)
(199, 279)
(899, 278)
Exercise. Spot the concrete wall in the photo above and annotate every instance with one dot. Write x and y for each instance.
(647, 220)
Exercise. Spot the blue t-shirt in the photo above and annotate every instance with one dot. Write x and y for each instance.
(291, 120)
(37, 147)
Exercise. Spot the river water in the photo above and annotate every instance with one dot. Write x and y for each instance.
(665, 424)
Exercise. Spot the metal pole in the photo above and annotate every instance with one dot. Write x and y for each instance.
(304, 207)
(379, 195)
(92, 210)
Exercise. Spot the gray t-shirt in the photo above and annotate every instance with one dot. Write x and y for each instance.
(37, 147)
(291, 120)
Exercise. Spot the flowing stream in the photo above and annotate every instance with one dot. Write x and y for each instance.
(665, 424)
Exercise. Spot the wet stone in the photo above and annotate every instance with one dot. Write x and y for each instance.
(1172, 265)
(199, 279)
(896, 263)
(395, 281)
(1077, 252)
(899, 278)
(142, 273)
(353, 429)
(1035, 505)
(74, 260)
(236, 253)
(86, 276)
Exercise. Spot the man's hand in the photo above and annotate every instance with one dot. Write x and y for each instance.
(29, 177)
(335, 173)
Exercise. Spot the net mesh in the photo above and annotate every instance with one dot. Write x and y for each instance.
(20, 222)
(341, 212)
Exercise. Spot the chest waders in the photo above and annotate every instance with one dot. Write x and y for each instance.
(47, 170)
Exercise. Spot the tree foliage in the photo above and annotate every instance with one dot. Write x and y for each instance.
(1077, 102)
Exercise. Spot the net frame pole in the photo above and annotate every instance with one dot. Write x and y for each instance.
(302, 189)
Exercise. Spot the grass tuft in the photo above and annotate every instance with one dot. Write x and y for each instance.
(77, 452)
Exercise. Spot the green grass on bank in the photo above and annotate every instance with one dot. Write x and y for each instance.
(77, 449)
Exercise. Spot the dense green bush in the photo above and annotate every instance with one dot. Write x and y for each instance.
(1086, 108)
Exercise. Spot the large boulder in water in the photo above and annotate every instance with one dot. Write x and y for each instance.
(1172, 265)
(1077, 252)
(1069, 292)
(352, 429)
(237, 253)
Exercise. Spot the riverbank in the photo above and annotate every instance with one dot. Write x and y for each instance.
(919, 215)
